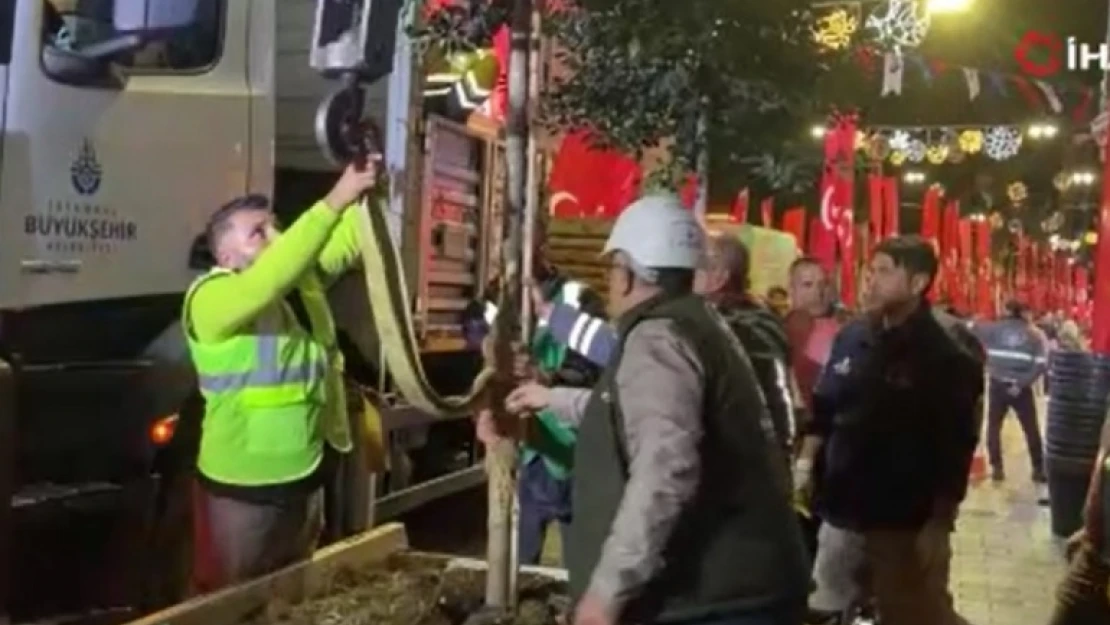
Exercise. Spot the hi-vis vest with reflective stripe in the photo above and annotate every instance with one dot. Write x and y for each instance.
(467, 77)
(570, 294)
(273, 393)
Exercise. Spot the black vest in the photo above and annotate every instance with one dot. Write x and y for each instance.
(738, 545)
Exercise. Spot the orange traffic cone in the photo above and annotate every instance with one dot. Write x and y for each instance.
(978, 466)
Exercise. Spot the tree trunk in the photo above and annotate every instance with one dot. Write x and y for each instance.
(502, 458)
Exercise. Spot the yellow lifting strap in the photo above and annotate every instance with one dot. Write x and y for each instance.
(390, 302)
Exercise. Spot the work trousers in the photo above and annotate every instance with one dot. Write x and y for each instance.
(791, 614)
(1001, 400)
(908, 575)
(838, 569)
(543, 500)
(250, 540)
(1083, 598)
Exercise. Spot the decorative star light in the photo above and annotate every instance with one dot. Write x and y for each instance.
(834, 31)
(897, 157)
(1002, 142)
(937, 153)
(1017, 192)
(900, 140)
(916, 151)
(899, 24)
(971, 141)
(1061, 181)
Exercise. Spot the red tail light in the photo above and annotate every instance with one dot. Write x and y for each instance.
(162, 430)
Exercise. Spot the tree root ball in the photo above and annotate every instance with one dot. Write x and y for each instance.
(412, 590)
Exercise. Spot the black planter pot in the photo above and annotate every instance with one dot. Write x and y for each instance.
(1077, 407)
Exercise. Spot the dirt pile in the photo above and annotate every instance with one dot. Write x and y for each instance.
(412, 591)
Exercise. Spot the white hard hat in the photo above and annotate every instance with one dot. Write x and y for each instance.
(658, 232)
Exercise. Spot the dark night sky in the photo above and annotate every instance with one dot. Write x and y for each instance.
(985, 38)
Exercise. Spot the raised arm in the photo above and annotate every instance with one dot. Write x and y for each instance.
(221, 306)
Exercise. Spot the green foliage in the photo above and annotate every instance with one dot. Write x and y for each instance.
(737, 78)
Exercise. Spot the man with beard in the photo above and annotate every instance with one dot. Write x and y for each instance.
(263, 341)
(895, 418)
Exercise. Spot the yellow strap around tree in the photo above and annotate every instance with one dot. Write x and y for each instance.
(389, 300)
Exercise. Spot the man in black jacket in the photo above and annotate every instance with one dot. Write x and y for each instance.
(895, 414)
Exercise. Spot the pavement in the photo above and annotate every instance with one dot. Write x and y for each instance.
(1006, 563)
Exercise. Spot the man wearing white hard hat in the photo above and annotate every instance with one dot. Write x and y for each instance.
(681, 493)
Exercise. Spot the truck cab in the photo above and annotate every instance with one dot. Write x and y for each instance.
(120, 137)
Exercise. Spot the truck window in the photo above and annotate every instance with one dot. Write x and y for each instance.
(7, 25)
(75, 24)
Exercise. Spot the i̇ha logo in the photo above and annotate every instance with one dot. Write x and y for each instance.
(85, 172)
(1042, 54)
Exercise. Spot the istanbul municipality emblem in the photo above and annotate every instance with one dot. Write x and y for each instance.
(85, 172)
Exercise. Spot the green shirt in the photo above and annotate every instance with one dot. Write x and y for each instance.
(552, 441)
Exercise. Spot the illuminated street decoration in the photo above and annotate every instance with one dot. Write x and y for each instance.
(834, 31)
(899, 24)
(1002, 142)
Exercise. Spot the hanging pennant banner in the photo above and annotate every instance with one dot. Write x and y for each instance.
(997, 83)
(1029, 92)
(971, 77)
(893, 66)
(1050, 95)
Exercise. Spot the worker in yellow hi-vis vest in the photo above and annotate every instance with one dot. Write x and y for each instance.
(264, 345)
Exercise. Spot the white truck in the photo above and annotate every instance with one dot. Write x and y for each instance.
(125, 124)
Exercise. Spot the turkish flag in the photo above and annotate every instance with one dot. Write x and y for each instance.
(739, 212)
(585, 181)
(892, 209)
(985, 276)
(767, 212)
(875, 207)
(794, 222)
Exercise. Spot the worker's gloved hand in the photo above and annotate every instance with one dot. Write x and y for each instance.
(353, 183)
(528, 398)
(803, 480)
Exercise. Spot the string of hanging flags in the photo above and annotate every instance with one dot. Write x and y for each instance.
(1071, 99)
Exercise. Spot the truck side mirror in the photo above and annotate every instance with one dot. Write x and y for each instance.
(146, 18)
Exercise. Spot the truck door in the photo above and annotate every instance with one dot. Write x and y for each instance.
(106, 182)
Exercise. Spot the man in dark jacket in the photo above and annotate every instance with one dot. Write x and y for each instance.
(895, 418)
(1017, 357)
